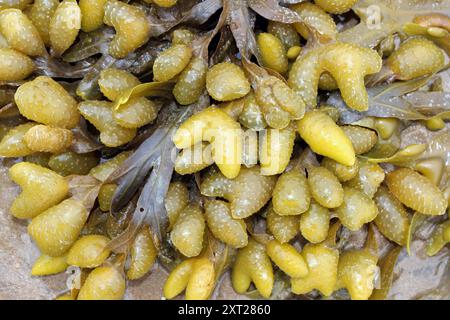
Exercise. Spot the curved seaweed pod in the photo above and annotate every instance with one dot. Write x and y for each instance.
(347, 63)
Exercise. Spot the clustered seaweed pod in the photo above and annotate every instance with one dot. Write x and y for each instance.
(159, 132)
